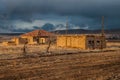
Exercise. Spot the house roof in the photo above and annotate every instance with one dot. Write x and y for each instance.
(38, 33)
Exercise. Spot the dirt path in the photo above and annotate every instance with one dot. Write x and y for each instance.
(87, 66)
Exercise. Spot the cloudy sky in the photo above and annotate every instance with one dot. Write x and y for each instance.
(21, 15)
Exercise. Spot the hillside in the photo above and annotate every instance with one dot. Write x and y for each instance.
(83, 31)
(110, 34)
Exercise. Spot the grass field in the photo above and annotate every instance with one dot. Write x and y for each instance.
(79, 66)
(59, 64)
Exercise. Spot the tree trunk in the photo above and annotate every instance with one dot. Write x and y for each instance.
(49, 44)
(25, 49)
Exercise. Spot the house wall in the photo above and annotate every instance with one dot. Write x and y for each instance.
(103, 42)
(42, 40)
(18, 41)
(78, 42)
(29, 39)
(71, 41)
(95, 42)
(5, 43)
(13, 41)
(32, 40)
(8, 43)
(61, 41)
(81, 41)
(24, 39)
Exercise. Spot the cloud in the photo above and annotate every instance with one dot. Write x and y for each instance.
(74, 7)
(82, 13)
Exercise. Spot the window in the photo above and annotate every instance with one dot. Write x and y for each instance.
(91, 42)
(98, 42)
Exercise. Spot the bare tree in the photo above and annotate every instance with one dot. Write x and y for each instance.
(50, 41)
(49, 45)
(25, 48)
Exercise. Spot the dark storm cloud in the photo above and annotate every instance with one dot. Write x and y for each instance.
(62, 7)
(90, 10)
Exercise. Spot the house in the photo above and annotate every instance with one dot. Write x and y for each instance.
(37, 37)
(19, 40)
(6, 43)
(14, 41)
(85, 41)
(34, 37)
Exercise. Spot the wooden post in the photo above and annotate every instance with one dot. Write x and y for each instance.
(102, 26)
(102, 33)
(38, 37)
(66, 30)
(25, 49)
(67, 26)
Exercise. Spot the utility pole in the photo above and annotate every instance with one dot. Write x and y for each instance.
(38, 37)
(66, 25)
(102, 33)
(102, 26)
(66, 29)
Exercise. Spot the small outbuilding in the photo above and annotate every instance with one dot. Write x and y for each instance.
(85, 41)
(14, 41)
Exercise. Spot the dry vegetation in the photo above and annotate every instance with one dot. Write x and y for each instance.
(59, 64)
(113, 44)
(79, 66)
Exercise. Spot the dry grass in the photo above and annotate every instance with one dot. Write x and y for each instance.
(113, 44)
(76, 65)
(89, 66)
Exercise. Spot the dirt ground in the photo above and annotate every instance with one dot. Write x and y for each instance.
(18, 49)
(77, 66)
(60, 63)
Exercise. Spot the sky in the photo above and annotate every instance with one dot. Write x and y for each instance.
(25, 15)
